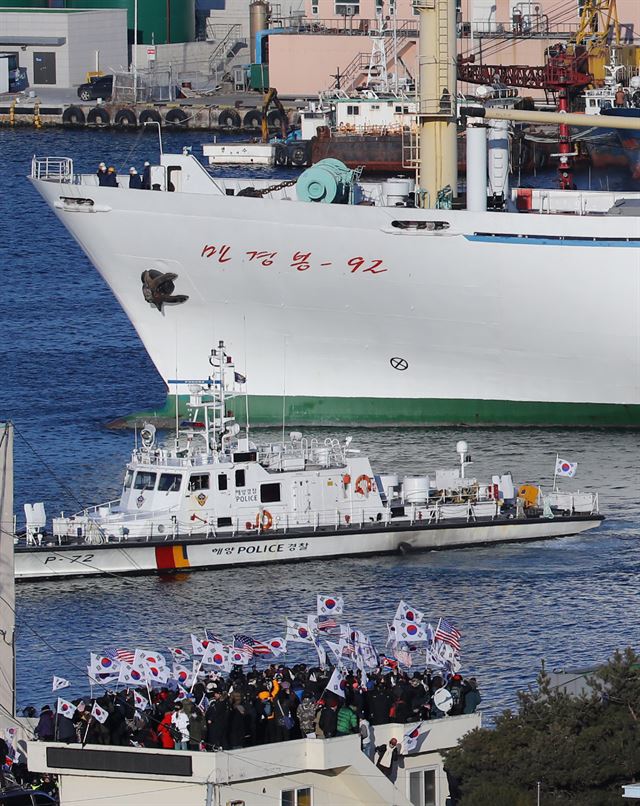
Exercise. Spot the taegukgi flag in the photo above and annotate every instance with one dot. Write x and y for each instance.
(336, 684)
(411, 739)
(65, 708)
(565, 468)
(99, 713)
(58, 683)
(330, 605)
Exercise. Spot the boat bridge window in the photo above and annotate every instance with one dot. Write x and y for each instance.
(222, 481)
(224, 522)
(144, 480)
(240, 481)
(269, 493)
(128, 478)
(169, 482)
(199, 482)
(353, 109)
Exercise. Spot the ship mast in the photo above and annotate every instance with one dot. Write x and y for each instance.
(437, 116)
(7, 584)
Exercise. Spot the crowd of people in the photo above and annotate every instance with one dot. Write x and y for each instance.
(252, 707)
(108, 177)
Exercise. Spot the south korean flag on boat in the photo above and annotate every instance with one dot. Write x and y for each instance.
(239, 657)
(330, 605)
(413, 738)
(178, 654)
(219, 657)
(99, 713)
(157, 674)
(197, 645)
(278, 646)
(144, 658)
(299, 631)
(103, 664)
(58, 683)
(410, 631)
(140, 702)
(565, 468)
(65, 708)
(337, 684)
(407, 613)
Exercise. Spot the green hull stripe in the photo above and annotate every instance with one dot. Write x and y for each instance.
(267, 411)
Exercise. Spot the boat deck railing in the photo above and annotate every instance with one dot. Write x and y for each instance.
(52, 169)
(87, 527)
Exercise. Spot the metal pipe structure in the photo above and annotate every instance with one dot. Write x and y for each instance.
(437, 116)
(7, 584)
(552, 118)
(476, 165)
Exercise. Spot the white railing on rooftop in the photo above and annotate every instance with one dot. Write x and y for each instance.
(53, 169)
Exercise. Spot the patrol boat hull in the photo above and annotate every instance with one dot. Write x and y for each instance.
(190, 554)
(372, 314)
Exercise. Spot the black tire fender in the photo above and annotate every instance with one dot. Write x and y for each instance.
(299, 153)
(98, 117)
(252, 120)
(73, 116)
(126, 118)
(404, 548)
(149, 116)
(229, 119)
(281, 157)
(176, 117)
(275, 119)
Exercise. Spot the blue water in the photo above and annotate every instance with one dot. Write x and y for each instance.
(70, 362)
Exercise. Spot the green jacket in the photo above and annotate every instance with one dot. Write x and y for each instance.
(347, 721)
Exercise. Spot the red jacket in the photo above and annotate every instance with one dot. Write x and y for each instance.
(163, 732)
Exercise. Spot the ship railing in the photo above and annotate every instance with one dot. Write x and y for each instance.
(52, 169)
(573, 503)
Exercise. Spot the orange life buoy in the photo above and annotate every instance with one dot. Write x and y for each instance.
(264, 522)
(346, 479)
(363, 485)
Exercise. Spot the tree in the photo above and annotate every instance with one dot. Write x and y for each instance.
(580, 749)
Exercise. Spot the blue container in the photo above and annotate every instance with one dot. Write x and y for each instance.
(328, 181)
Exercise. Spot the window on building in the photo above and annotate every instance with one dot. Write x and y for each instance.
(169, 482)
(296, 797)
(199, 482)
(269, 493)
(347, 9)
(240, 480)
(144, 481)
(222, 481)
(314, 10)
(422, 787)
(353, 109)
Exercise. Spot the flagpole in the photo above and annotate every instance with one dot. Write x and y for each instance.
(84, 741)
(555, 473)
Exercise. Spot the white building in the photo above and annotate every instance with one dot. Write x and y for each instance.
(304, 772)
(59, 48)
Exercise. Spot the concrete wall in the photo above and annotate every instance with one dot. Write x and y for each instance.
(336, 770)
(84, 33)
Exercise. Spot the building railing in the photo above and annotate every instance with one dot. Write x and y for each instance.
(53, 169)
(536, 27)
(353, 26)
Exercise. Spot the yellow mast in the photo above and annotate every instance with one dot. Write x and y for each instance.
(437, 123)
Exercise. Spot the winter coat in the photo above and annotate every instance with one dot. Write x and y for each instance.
(166, 739)
(379, 706)
(306, 716)
(45, 728)
(181, 721)
(347, 721)
(471, 701)
(328, 722)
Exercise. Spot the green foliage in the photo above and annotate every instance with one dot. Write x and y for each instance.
(580, 749)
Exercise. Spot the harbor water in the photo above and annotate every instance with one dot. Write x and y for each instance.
(71, 362)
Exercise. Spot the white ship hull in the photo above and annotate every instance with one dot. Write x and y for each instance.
(179, 556)
(500, 317)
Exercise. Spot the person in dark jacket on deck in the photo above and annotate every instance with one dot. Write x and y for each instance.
(45, 729)
(135, 180)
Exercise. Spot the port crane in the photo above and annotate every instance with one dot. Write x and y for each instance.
(566, 72)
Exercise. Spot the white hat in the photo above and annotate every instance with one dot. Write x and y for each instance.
(132, 170)
(146, 163)
(102, 165)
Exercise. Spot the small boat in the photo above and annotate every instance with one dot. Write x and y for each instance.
(216, 498)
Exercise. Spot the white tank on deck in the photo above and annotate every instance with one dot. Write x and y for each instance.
(396, 190)
(388, 482)
(323, 456)
(415, 489)
(498, 142)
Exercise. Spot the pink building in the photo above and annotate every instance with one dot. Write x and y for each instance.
(335, 36)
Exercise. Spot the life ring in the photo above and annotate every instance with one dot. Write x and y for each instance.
(252, 120)
(73, 116)
(150, 116)
(229, 119)
(176, 117)
(299, 153)
(264, 522)
(126, 118)
(363, 485)
(98, 117)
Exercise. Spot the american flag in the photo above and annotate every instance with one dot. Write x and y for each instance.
(250, 645)
(211, 636)
(326, 623)
(125, 655)
(445, 631)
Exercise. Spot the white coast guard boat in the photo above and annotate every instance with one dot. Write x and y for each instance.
(217, 499)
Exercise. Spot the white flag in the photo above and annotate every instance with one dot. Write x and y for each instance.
(336, 649)
(103, 664)
(330, 605)
(100, 679)
(299, 631)
(212, 649)
(410, 631)
(59, 682)
(140, 702)
(239, 657)
(406, 613)
(336, 684)
(157, 674)
(99, 713)
(218, 657)
(144, 659)
(278, 646)
(182, 693)
(65, 708)
(179, 655)
(131, 676)
(414, 737)
(198, 646)
(322, 655)
(564, 468)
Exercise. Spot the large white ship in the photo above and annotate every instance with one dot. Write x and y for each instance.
(370, 309)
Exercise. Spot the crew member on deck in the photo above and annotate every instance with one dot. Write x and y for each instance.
(135, 180)
(146, 176)
(111, 178)
(101, 173)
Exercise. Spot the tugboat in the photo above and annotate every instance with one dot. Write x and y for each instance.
(216, 498)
